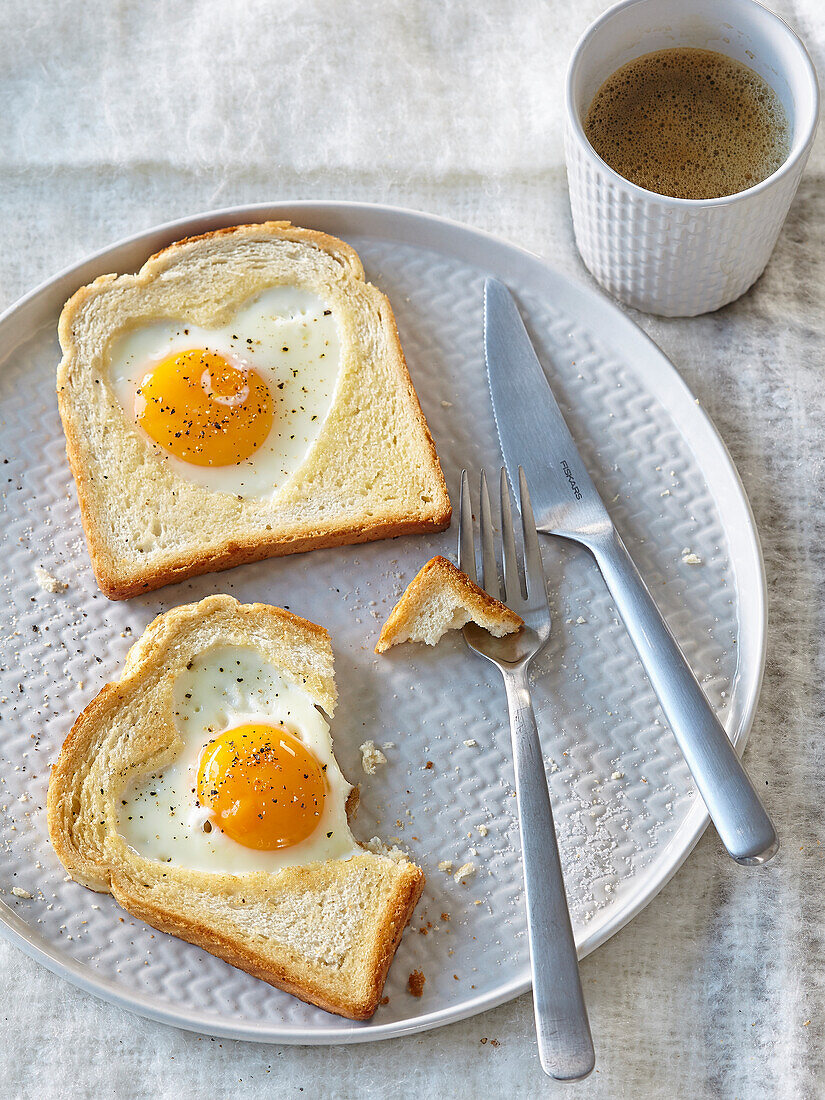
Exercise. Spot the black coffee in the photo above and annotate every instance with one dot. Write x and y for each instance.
(689, 123)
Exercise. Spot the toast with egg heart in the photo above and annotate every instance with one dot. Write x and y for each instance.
(201, 791)
(244, 395)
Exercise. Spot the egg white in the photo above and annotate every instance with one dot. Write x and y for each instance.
(225, 687)
(302, 379)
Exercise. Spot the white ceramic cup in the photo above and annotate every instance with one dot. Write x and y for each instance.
(681, 257)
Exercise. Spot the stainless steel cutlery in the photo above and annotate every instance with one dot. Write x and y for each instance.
(565, 1045)
(535, 437)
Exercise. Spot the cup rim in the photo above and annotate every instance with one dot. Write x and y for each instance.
(802, 146)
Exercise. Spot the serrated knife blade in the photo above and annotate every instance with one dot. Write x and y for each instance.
(533, 435)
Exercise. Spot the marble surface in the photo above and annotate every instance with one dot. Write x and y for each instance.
(115, 115)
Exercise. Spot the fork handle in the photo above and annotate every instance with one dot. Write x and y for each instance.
(564, 1040)
(734, 806)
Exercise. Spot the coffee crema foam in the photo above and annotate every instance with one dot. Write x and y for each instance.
(689, 123)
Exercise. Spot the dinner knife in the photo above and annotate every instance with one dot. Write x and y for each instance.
(534, 435)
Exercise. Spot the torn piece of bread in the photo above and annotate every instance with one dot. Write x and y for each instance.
(364, 465)
(441, 598)
(324, 930)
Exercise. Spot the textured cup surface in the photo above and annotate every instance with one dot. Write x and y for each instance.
(682, 257)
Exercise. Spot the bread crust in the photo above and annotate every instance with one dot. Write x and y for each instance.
(120, 578)
(82, 821)
(118, 587)
(394, 919)
(437, 576)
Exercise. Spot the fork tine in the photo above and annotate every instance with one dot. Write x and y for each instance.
(511, 584)
(466, 545)
(489, 569)
(533, 569)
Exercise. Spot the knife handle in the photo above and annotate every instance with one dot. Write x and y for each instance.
(734, 806)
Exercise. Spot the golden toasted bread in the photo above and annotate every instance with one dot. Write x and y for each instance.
(370, 473)
(325, 931)
(441, 598)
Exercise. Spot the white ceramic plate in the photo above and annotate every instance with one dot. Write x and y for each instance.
(627, 812)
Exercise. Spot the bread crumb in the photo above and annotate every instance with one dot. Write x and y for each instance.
(371, 757)
(471, 742)
(48, 582)
(482, 830)
(415, 983)
(580, 621)
(466, 870)
(445, 865)
(19, 892)
(690, 558)
(445, 916)
(617, 775)
(379, 848)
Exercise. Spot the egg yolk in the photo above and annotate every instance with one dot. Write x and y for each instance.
(264, 787)
(203, 409)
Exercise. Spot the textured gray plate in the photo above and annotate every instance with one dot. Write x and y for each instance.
(626, 809)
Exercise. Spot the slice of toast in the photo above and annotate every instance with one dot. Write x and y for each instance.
(441, 598)
(371, 473)
(324, 931)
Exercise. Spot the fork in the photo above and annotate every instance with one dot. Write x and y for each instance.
(563, 1031)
